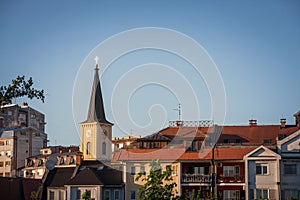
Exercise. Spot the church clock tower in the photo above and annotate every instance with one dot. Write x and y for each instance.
(96, 131)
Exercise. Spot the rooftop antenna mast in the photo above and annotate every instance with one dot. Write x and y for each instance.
(179, 111)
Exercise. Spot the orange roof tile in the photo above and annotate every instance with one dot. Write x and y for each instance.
(179, 154)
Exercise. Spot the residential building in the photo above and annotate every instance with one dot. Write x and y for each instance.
(119, 143)
(289, 150)
(22, 134)
(262, 174)
(35, 166)
(227, 170)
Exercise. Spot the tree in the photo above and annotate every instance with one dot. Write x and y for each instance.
(20, 87)
(159, 185)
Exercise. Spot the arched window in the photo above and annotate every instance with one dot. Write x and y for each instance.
(88, 148)
(104, 148)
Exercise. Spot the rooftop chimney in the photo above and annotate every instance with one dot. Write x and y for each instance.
(282, 122)
(252, 122)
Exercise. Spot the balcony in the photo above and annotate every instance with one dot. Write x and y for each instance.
(195, 178)
(231, 179)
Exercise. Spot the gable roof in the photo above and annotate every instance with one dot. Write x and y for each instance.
(288, 138)
(263, 152)
(101, 176)
(58, 177)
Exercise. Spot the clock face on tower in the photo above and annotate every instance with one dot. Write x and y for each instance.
(88, 133)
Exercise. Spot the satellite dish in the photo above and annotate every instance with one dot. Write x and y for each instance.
(53, 158)
(50, 164)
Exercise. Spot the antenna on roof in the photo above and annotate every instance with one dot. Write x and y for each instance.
(179, 111)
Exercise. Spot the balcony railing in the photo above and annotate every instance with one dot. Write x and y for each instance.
(231, 179)
(195, 178)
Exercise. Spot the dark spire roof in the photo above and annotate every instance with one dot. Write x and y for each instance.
(96, 109)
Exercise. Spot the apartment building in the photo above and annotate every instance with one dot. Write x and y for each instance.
(243, 164)
(22, 134)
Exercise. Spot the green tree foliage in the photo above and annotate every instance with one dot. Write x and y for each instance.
(159, 185)
(20, 87)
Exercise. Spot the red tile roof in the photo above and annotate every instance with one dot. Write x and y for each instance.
(255, 135)
(233, 153)
(186, 132)
(251, 136)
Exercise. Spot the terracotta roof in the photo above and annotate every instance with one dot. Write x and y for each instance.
(255, 135)
(234, 153)
(185, 132)
(250, 135)
(220, 154)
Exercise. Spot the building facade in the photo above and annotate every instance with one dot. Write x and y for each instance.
(244, 163)
(35, 166)
(22, 134)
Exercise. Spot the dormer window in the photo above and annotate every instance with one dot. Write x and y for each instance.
(238, 141)
(226, 141)
(281, 136)
(267, 141)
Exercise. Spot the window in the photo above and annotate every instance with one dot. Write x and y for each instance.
(106, 194)
(117, 194)
(33, 116)
(132, 194)
(169, 169)
(61, 195)
(226, 141)
(88, 148)
(267, 141)
(194, 146)
(1, 164)
(61, 161)
(290, 169)
(8, 153)
(7, 163)
(291, 194)
(132, 170)
(262, 194)
(9, 113)
(281, 136)
(231, 194)
(174, 170)
(78, 194)
(7, 142)
(201, 170)
(72, 160)
(142, 170)
(261, 169)
(104, 148)
(231, 170)
(238, 141)
(51, 195)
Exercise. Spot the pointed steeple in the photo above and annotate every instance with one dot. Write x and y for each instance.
(96, 111)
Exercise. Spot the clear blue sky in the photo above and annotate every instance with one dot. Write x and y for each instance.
(255, 45)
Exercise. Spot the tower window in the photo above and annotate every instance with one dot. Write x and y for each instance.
(88, 148)
(104, 148)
